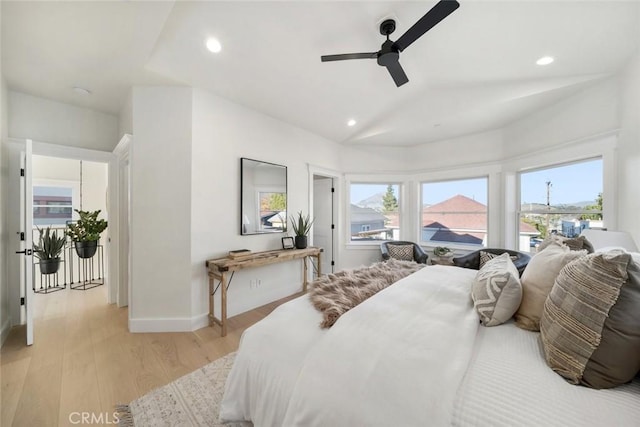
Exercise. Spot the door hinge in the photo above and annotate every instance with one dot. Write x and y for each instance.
(22, 301)
(333, 226)
(333, 263)
(22, 172)
(22, 236)
(333, 190)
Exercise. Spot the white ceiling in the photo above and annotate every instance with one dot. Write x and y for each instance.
(474, 71)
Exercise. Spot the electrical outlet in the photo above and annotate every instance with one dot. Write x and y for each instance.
(258, 283)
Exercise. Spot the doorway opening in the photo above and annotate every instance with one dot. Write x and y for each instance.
(325, 219)
(61, 188)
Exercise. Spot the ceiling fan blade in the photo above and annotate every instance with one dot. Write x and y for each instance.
(396, 71)
(342, 57)
(437, 13)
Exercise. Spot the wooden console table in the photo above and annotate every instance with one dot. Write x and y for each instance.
(219, 268)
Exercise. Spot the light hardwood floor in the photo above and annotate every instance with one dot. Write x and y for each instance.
(84, 359)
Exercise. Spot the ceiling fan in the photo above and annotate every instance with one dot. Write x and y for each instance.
(389, 54)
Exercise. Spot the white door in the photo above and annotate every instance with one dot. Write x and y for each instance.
(323, 224)
(26, 230)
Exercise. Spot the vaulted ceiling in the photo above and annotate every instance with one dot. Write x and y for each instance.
(473, 72)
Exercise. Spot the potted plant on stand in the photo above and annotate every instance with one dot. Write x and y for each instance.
(301, 227)
(85, 232)
(444, 254)
(48, 250)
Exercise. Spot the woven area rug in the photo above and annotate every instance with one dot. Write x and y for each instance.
(192, 400)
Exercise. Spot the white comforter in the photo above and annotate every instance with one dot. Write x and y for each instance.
(347, 376)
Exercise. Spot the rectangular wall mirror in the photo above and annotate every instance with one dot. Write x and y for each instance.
(263, 197)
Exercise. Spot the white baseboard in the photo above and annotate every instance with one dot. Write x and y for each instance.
(200, 321)
(4, 332)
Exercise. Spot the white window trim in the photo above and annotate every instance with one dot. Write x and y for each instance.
(603, 146)
(492, 173)
(399, 180)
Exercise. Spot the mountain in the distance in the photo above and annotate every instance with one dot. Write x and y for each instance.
(373, 202)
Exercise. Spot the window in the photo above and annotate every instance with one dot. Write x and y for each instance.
(374, 212)
(454, 212)
(52, 205)
(563, 199)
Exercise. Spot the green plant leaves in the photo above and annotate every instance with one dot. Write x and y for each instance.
(302, 225)
(49, 245)
(87, 228)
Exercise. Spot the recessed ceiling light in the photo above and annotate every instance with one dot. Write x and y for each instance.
(214, 45)
(545, 60)
(351, 122)
(81, 91)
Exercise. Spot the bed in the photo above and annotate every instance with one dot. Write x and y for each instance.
(414, 354)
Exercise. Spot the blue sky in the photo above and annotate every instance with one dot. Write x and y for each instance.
(575, 182)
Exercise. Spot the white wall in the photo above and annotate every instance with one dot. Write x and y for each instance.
(43, 120)
(591, 111)
(125, 118)
(161, 208)
(223, 132)
(629, 150)
(4, 280)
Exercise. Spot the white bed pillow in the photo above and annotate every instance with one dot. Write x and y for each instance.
(496, 290)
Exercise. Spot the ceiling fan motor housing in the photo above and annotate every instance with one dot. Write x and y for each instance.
(388, 54)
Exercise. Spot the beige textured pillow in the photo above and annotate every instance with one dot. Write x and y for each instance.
(590, 326)
(537, 281)
(496, 290)
(575, 243)
(401, 252)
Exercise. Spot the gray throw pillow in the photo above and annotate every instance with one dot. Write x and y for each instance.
(574, 243)
(496, 290)
(590, 326)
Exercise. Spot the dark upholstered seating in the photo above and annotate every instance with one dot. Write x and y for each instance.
(472, 259)
(419, 255)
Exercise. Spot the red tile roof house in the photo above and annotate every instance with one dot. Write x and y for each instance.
(460, 220)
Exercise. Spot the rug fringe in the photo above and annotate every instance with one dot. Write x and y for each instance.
(125, 418)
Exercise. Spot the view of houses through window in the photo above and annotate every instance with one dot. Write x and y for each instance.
(374, 212)
(454, 212)
(564, 199)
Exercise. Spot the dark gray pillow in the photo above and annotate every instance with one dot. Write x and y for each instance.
(590, 325)
(574, 243)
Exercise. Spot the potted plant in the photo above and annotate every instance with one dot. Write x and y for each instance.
(85, 232)
(48, 250)
(301, 227)
(443, 253)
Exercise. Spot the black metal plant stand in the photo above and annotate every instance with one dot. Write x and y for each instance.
(50, 282)
(90, 275)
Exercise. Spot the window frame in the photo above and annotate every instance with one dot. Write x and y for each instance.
(453, 245)
(400, 181)
(598, 146)
(519, 212)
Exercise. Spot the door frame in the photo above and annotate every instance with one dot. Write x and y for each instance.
(337, 219)
(76, 153)
(122, 160)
